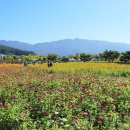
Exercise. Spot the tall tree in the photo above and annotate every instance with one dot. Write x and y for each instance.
(125, 57)
(85, 57)
(8, 59)
(110, 55)
(65, 59)
(52, 57)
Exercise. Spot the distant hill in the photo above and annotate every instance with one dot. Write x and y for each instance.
(69, 46)
(14, 51)
(16, 44)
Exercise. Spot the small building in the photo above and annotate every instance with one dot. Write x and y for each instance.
(1, 56)
(72, 60)
(96, 59)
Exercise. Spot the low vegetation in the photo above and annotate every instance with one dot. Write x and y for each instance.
(66, 96)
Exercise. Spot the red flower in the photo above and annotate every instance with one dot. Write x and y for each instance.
(83, 84)
(71, 95)
(39, 97)
(79, 98)
(1, 105)
(106, 103)
(69, 104)
(20, 99)
(90, 95)
(99, 104)
(26, 107)
(5, 107)
(45, 113)
(85, 113)
(12, 97)
(21, 119)
(73, 104)
(100, 118)
(99, 122)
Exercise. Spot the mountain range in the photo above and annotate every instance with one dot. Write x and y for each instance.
(69, 46)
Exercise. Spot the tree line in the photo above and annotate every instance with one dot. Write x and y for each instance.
(13, 51)
(107, 55)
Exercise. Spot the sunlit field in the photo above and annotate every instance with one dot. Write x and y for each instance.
(66, 96)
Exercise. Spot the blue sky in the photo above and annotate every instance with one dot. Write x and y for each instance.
(35, 21)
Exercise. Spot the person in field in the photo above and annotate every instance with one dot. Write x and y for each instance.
(49, 63)
(25, 64)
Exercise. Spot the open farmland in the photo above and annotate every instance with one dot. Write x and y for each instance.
(66, 96)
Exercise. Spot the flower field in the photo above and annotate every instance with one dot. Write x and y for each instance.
(66, 96)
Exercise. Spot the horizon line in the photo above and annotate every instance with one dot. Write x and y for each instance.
(64, 39)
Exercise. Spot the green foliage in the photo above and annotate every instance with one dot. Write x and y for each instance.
(85, 57)
(40, 98)
(125, 57)
(65, 59)
(110, 55)
(8, 58)
(52, 57)
(13, 51)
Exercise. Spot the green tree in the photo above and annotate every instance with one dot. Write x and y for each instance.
(65, 59)
(85, 57)
(110, 55)
(52, 57)
(125, 57)
(14, 51)
(8, 58)
(42, 58)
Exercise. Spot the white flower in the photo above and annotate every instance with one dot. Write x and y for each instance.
(62, 123)
(66, 126)
(56, 112)
(51, 121)
(64, 119)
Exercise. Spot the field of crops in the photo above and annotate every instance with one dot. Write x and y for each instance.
(66, 96)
